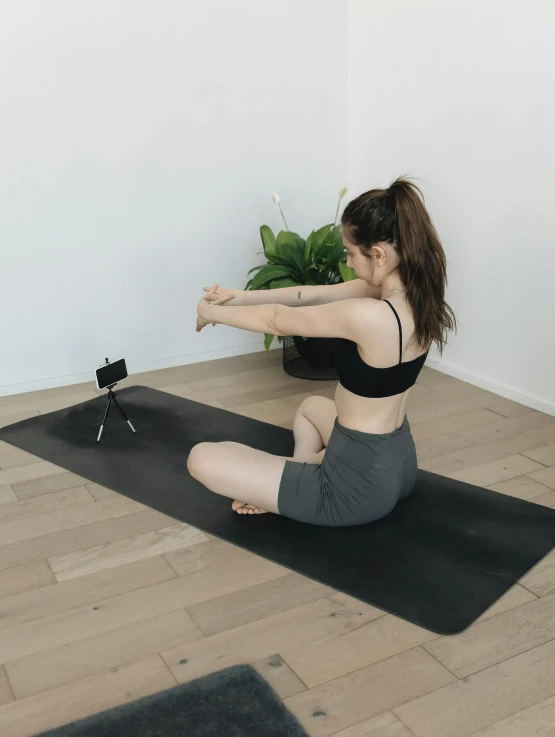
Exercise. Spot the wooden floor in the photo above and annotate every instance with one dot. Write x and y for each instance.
(105, 600)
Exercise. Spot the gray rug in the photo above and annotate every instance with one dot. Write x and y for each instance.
(235, 702)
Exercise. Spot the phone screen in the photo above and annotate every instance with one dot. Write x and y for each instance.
(111, 373)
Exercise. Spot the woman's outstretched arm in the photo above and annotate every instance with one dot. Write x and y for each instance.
(256, 318)
(345, 319)
(304, 296)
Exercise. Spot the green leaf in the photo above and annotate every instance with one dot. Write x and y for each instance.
(268, 273)
(319, 260)
(290, 249)
(321, 234)
(280, 283)
(347, 273)
(332, 246)
(323, 239)
(288, 236)
(308, 247)
(268, 241)
(268, 337)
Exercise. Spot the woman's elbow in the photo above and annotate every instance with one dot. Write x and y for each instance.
(276, 321)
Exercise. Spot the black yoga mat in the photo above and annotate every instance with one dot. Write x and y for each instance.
(440, 559)
(235, 702)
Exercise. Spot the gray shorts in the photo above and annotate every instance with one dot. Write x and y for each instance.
(361, 478)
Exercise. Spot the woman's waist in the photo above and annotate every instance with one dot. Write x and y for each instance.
(363, 451)
(370, 415)
(345, 458)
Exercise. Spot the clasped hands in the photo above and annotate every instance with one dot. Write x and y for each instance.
(207, 302)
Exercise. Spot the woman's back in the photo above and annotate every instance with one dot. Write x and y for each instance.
(376, 375)
(392, 245)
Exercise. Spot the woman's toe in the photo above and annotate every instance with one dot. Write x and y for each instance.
(246, 508)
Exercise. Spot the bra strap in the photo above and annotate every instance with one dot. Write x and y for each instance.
(400, 330)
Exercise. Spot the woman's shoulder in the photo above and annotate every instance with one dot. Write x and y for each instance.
(388, 321)
(372, 316)
(381, 312)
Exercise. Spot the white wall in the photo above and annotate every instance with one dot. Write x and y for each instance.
(140, 142)
(461, 96)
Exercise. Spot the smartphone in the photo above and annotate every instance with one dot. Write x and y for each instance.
(111, 373)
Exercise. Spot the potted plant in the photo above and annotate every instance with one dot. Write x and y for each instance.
(294, 261)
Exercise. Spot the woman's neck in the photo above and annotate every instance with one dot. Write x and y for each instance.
(392, 287)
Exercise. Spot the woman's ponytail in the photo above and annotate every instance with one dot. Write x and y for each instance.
(398, 216)
(422, 265)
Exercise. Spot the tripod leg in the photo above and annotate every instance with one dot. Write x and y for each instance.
(104, 418)
(125, 417)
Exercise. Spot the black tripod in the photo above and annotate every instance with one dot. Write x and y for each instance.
(112, 398)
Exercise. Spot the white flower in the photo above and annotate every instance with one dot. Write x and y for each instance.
(342, 192)
(276, 198)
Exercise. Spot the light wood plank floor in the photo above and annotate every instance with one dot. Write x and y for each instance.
(105, 600)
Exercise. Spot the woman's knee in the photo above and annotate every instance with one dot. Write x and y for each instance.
(321, 412)
(312, 403)
(204, 456)
(199, 458)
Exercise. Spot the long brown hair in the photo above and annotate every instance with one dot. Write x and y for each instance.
(398, 216)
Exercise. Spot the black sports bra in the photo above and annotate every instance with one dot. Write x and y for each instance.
(367, 381)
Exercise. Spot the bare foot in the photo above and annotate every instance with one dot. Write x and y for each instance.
(244, 508)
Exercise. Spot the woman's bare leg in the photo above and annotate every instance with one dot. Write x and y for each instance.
(232, 469)
(312, 428)
(308, 441)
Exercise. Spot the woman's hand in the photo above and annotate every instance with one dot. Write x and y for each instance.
(207, 303)
(212, 296)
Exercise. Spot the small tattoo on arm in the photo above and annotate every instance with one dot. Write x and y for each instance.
(299, 293)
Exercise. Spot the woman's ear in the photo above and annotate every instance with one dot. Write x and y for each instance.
(378, 254)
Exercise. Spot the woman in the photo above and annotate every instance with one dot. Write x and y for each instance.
(354, 458)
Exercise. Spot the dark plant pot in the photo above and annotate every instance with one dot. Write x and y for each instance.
(318, 352)
(310, 359)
